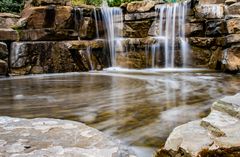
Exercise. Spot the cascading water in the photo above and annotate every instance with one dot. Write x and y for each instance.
(113, 22)
(171, 25)
(78, 16)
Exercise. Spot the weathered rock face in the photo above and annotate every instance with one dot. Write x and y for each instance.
(55, 57)
(215, 135)
(31, 3)
(8, 34)
(8, 20)
(46, 17)
(3, 68)
(3, 51)
(140, 6)
(51, 137)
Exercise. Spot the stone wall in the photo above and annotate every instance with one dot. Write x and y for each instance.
(45, 38)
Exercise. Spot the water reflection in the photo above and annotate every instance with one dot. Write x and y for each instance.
(139, 109)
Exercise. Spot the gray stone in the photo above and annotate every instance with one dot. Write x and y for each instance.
(233, 38)
(210, 11)
(52, 137)
(3, 50)
(234, 9)
(217, 134)
(3, 68)
(140, 16)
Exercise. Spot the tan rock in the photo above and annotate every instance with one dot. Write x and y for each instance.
(140, 6)
(8, 34)
(45, 17)
(232, 59)
(233, 26)
(7, 20)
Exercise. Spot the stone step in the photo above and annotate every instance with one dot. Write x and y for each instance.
(229, 104)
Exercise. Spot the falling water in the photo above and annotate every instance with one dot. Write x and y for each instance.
(89, 53)
(171, 25)
(78, 16)
(113, 23)
(96, 18)
(17, 54)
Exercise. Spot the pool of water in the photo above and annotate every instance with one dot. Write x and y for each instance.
(140, 109)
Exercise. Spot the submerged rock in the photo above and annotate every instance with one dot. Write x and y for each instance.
(52, 137)
(216, 135)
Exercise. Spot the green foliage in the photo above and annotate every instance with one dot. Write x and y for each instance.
(11, 5)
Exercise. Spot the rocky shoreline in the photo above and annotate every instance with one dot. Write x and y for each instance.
(216, 135)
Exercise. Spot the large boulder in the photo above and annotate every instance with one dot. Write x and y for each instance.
(57, 17)
(140, 6)
(41, 57)
(231, 60)
(215, 135)
(52, 137)
(56, 57)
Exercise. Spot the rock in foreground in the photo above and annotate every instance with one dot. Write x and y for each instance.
(217, 135)
(51, 138)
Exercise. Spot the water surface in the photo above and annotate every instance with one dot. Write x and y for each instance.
(139, 109)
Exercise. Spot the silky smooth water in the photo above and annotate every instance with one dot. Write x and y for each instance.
(139, 109)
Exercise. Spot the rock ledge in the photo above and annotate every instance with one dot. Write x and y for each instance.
(52, 137)
(216, 135)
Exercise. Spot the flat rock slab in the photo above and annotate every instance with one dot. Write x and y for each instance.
(216, 135)
(51, 138)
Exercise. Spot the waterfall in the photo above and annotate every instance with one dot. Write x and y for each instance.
(96, 18)
(113, 23)
(78, 16)
(17, 56)
(171, 25)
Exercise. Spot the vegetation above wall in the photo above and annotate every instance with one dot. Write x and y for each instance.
(11, 5)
